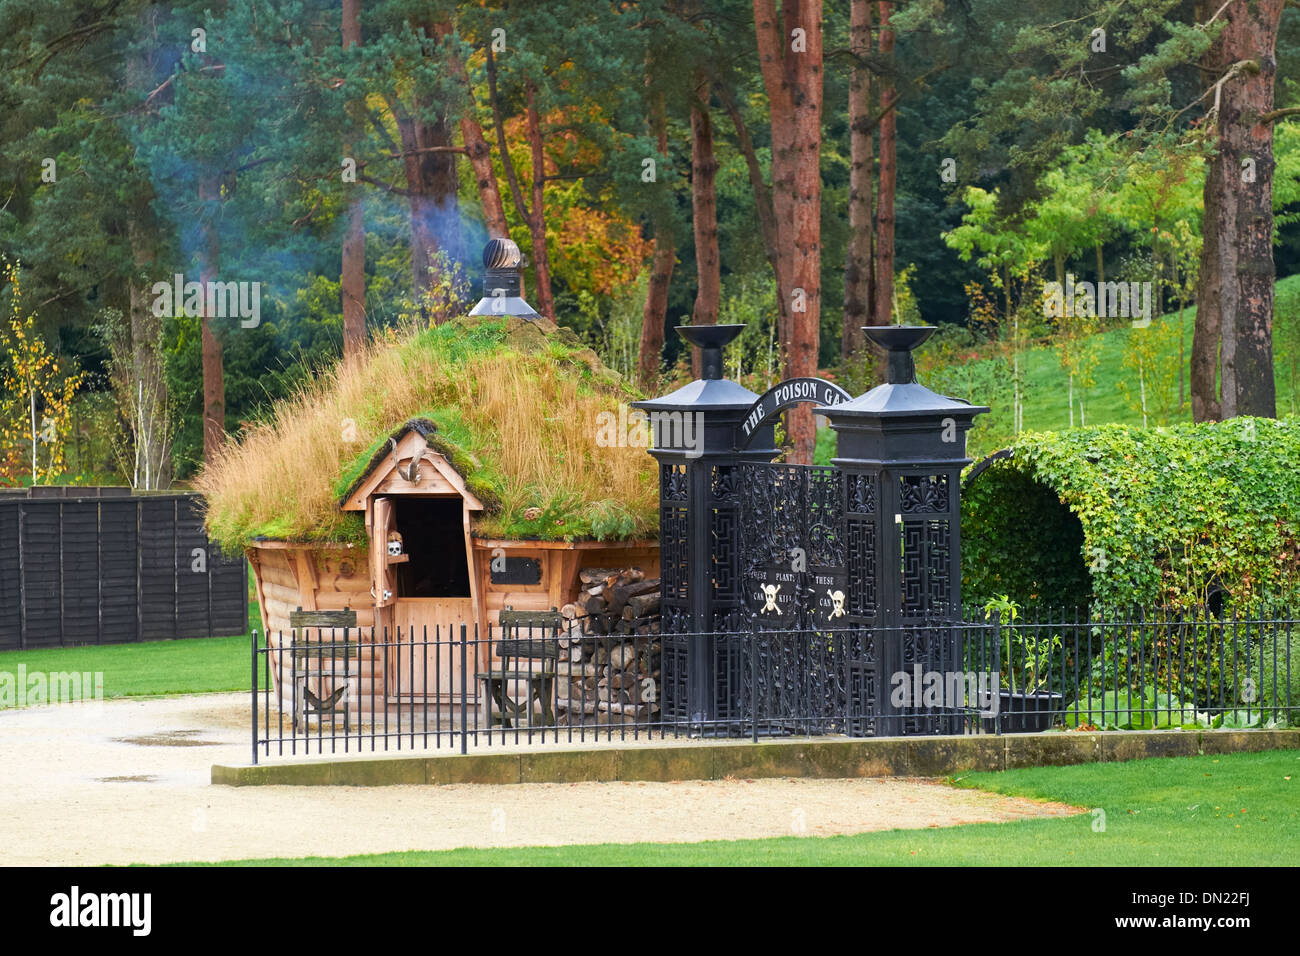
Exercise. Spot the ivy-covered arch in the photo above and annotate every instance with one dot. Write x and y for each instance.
(1116, 516)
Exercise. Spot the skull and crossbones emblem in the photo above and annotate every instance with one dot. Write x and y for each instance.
(837, 604)
(769, 598)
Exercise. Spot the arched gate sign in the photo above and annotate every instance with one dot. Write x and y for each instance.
(778, 398)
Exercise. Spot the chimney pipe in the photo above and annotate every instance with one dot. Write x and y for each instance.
(501, 259)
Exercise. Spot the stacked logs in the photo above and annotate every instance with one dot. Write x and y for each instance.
(610, 653)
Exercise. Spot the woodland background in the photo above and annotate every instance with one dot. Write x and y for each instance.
(803, 168)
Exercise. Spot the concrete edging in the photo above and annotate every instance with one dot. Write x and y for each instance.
(717, 760)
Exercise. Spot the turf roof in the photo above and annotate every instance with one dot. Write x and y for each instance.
(511, 404)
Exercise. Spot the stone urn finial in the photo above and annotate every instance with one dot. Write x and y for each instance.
(710, 340)
(899, 341)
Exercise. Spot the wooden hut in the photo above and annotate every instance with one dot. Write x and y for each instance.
(424, 531)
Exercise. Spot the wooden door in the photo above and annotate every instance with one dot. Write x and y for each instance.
(426, 662)
(383, 583)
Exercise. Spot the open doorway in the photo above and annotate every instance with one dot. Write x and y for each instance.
(433, 535)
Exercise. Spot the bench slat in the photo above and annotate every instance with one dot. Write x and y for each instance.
(536, 649)
(530, 620)
(301, 618)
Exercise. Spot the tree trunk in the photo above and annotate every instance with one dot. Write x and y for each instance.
(147, 403)
(762, 205)
(807, 203)
(1209, 288)
(352, 273)
(888, 175)
(792, 74)
(480, 158)
(430, 183)
(1178, 284)
(537, 222)
(654, 316)
(859, 274)
(214, 386)
(1235, 287)
(534, 216)
(429, 162)
(151, 425)
(704, 208)
(772, 40)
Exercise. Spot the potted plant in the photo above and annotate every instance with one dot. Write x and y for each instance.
(1025, 705)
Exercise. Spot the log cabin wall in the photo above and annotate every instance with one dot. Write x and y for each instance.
(331, 578)
(559, 563)
(334, 577)
(319, 578)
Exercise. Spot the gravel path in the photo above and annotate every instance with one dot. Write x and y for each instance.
(127, 781)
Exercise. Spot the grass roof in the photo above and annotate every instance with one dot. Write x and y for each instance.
(514, 406)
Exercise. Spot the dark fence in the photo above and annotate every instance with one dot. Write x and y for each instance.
(353, 690)
(104, 566)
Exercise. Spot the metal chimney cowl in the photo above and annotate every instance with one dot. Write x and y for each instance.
(501, 286)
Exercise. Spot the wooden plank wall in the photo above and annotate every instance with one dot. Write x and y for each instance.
(112, 567)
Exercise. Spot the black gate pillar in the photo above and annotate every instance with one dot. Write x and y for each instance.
(694, 432)
(902, 448)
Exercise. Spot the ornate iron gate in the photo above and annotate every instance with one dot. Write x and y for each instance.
(841, 579)
(815, 670)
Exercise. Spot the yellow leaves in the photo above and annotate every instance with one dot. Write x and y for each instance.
(36, 405)
(601, 246)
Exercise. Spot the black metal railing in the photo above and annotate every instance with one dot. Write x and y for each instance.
(358, 690)
(1137, 670)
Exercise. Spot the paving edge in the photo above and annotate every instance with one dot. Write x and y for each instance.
(716, 760)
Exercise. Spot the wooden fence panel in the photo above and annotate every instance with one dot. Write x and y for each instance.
(97, 566)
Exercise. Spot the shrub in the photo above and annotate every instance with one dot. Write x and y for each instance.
(1121, 516)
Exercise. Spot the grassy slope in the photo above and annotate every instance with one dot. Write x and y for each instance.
(1241, 809)
(1046, 395)
(191, 666)
(1046, 405)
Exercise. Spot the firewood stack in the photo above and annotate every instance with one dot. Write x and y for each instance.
(609, 660)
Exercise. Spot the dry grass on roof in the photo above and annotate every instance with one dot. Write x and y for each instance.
(516, 408)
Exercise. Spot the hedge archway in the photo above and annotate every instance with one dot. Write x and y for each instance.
(1116, 516)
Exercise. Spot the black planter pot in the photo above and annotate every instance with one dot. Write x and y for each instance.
(1022, 713)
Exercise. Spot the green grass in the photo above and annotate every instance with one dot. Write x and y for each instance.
(1046, 398)
(1046, 401)
(189, 666)
(1234, 810)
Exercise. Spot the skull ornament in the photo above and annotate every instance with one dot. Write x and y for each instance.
(769, 598)
(837, 604)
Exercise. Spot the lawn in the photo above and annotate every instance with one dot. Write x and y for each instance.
(191, 666)
(1235, 810)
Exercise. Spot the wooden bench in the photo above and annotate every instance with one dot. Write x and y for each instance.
(320, 660)
(542, 644)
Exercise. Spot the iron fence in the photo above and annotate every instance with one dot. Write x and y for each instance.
(358, 690)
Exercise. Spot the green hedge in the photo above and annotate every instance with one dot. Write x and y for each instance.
(1117, 516)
